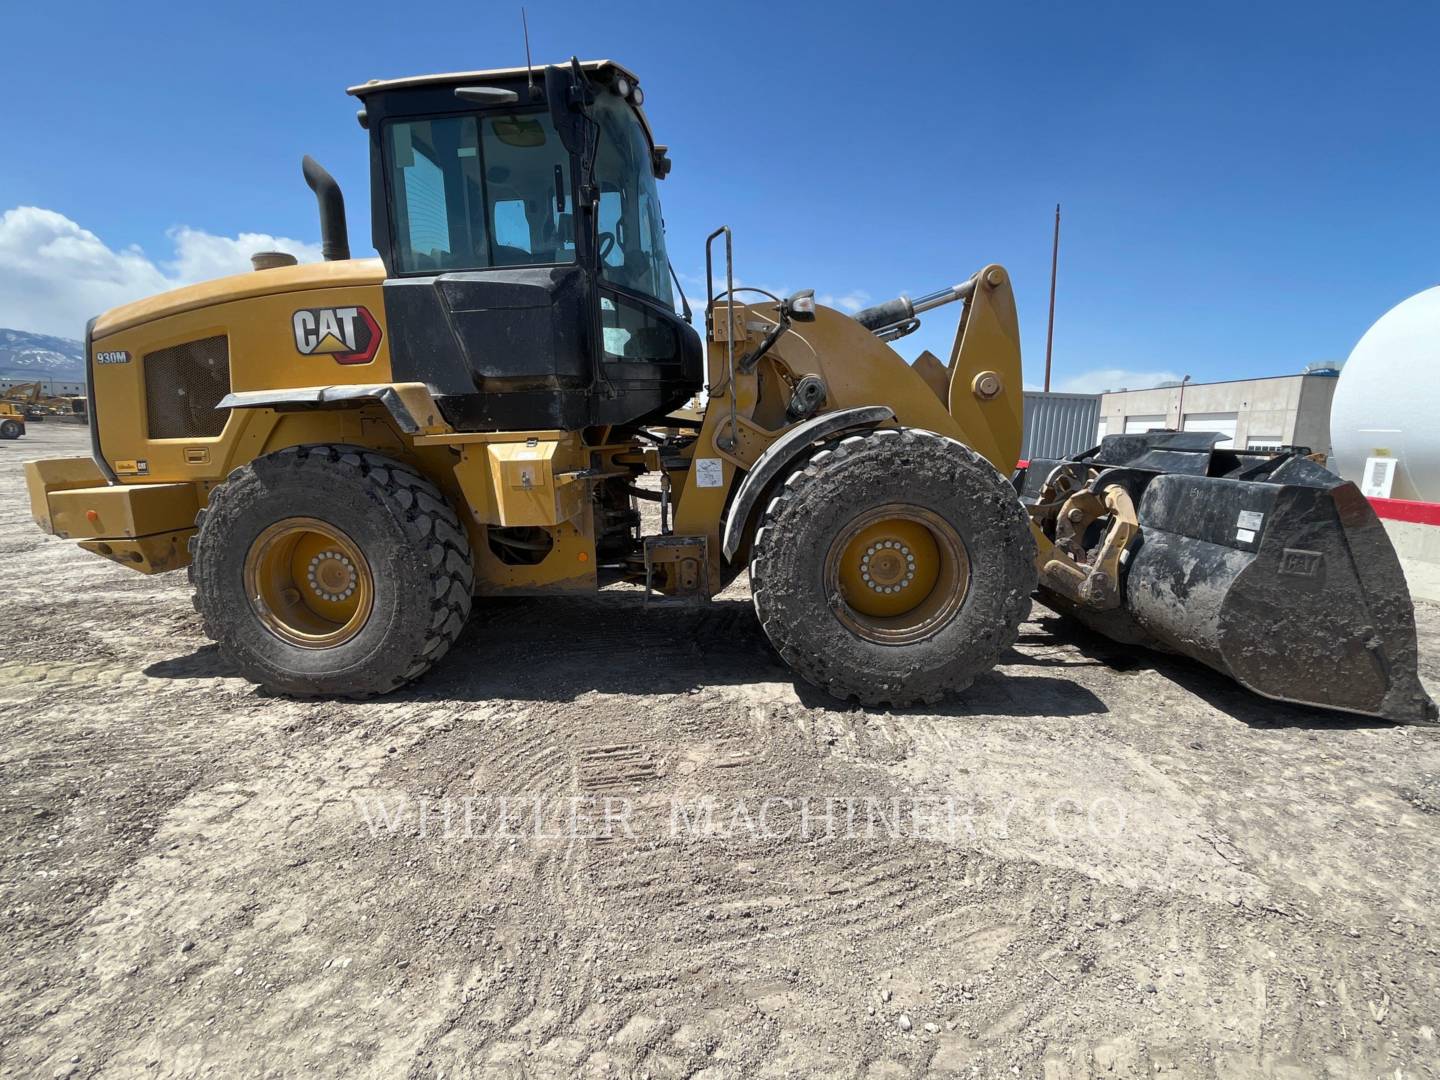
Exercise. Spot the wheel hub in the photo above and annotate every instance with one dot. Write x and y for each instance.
(888, 567)
(898, 573)
(308, 583)
(332, 576)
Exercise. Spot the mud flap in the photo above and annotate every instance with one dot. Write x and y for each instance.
(1279, 575)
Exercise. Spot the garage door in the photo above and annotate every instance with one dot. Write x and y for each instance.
(1138, 425)
(1224, 423)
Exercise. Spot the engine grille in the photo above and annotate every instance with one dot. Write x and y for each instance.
(183, 384)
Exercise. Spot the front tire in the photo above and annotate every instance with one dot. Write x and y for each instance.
(331, 570)
(891, 568)
(9, 429)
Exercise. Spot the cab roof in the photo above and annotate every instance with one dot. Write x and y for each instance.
(458, 77)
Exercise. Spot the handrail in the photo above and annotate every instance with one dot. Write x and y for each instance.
(728, 443)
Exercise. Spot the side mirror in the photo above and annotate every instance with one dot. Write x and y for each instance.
(800, 306)
(565, 93)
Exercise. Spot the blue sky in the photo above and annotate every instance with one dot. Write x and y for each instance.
(1246, 187)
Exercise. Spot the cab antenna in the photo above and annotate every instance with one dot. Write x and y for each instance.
(529, 67)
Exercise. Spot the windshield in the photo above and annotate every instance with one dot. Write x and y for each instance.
(632, 233)
(472, 192)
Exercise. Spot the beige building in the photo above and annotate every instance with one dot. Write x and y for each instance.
(1252, 414)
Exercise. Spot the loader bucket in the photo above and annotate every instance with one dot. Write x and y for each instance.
(1267, 568)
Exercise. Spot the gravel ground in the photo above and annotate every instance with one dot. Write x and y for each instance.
(1094, 864)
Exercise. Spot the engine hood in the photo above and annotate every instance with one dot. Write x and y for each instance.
(307, 276)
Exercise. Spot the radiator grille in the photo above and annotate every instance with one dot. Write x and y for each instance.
(183, 384)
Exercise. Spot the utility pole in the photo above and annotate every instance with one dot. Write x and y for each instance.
(1054, 266)
(1180, 406)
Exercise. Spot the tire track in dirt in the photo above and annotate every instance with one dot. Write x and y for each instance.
(319, 946)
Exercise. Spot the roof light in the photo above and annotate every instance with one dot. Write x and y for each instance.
(487, 95)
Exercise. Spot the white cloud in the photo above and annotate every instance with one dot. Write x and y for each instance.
(851, 301)
(55, 275)
(200, 256)
(1102, 379)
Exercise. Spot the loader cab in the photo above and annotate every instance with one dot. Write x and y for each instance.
(518, 218)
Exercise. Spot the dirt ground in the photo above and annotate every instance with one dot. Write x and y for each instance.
(1093, 865)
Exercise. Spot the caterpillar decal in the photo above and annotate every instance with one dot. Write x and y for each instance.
(348, 334)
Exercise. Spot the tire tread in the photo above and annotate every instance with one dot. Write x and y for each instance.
(818, 472)
(427, 516)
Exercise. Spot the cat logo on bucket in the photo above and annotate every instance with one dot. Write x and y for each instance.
(348, 334)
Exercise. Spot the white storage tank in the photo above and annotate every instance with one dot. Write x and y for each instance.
(1388, 400)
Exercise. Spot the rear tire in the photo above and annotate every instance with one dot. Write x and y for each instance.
(330, 570)
(9, 429)
(893, 567)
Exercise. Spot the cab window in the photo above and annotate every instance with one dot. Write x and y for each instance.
(471, 192)
(631, 233)
(633, 332)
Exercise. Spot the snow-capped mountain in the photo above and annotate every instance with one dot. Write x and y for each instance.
(24, 355)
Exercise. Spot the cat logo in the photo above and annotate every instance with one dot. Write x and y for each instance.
(1297, 562)
(349, 334)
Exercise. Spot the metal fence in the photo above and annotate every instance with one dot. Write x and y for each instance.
(1058, 425)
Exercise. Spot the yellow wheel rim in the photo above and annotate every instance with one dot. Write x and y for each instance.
(309, 583)
(897, 574)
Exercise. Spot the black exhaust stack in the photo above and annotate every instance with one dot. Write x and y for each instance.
(334, 239)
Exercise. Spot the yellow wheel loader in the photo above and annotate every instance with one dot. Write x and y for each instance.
(351, 455)
(12, 420)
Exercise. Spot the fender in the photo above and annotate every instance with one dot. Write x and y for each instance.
(783, 453)
(409, 404)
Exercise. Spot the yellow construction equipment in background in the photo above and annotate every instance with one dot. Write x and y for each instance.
(346, 453)
(12, 420)
(29, 400)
